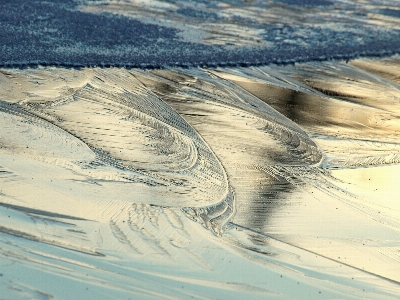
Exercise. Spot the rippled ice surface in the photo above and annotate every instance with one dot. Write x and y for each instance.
(254, 182)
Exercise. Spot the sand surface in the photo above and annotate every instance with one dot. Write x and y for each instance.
(225, 183)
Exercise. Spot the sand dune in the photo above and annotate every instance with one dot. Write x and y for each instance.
(225, 183)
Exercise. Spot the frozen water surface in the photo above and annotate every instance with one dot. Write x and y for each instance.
(256, 182)
(199, 149)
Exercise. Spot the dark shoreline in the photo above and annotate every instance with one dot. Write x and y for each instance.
(148, 66)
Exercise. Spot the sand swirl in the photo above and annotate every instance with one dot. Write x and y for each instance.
(133, 130)
(203, 86)
(103, 171)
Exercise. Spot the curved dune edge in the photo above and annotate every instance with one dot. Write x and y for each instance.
(132, 131)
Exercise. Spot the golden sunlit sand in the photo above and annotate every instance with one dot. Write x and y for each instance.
(274, 181)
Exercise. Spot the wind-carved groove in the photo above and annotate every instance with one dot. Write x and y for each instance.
(300, 146)
(366, 161)
(53, 242)
(214, 217)
(305, 176)
(136, 218)
(35, 108)
(121, 237)
(333, 93)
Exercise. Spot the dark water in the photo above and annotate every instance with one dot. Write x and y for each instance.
(193, 33)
